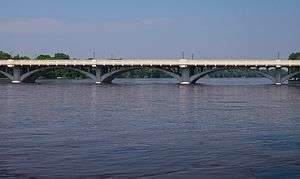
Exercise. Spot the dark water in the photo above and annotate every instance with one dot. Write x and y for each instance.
(136, 130)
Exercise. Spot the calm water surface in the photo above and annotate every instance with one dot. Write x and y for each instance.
(137, 129)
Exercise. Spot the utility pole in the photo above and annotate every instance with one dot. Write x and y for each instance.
(192, 56)
(183, 56)
(278, 55)
(94, 55)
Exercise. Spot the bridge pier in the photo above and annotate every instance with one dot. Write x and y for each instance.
(98, 75)
(185, 75)
(278, 77)
(16, 75)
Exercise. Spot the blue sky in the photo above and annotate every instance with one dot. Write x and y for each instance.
(151, 28)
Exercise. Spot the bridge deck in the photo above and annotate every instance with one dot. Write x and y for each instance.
(153, 62)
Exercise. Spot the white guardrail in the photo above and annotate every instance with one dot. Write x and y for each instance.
(153, 62)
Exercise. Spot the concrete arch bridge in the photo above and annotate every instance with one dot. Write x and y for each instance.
(186, 71)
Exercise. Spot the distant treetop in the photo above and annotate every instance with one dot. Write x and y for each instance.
(56, 56)
(18, 57)
(61, 56)
(43, 57)
(295, 56)
(4, 55)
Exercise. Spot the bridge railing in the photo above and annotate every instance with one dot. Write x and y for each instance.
(152, 62)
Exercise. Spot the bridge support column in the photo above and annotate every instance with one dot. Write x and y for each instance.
(185, 75)
(98, 75)
(278, 77)
(16, 75)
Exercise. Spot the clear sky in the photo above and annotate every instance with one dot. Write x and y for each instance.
(151, 28)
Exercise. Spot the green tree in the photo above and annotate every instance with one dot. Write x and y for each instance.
(61, 56)
(295, 56)
(18, 57)
(43, 57)
(4, 55)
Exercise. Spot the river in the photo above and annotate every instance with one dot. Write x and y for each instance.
(150, 129)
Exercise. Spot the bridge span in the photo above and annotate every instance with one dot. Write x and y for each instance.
(186, 71)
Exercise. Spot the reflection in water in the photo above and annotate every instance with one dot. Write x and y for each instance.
(184, 100)
(149, 130)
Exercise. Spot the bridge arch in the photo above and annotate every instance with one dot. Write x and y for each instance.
(109, 77)
(9, 76)
(289, 76)
(30, 73)
(198, 76)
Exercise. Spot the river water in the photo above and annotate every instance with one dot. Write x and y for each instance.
(150, 129)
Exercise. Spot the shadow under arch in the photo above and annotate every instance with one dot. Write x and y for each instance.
(198, 76)
(109, 77)
(9, 76)
(27, 75)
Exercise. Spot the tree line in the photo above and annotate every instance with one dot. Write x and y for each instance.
(6, 56)
(295, 56)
